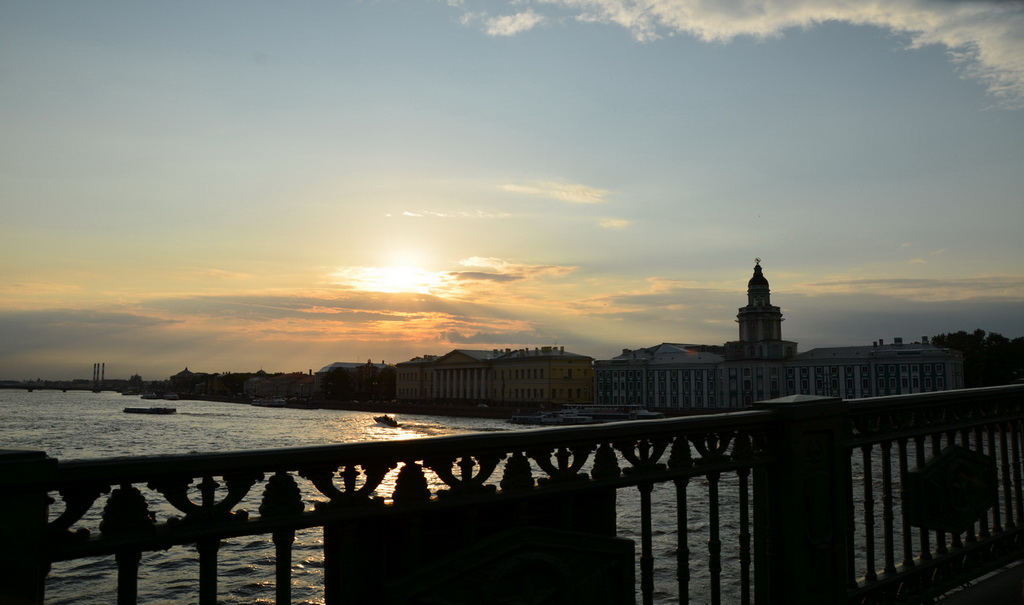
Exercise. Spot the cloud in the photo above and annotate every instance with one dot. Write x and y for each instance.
(510, 25)
(479, 214)
(985, 38)
(482, 276)
(491, 338)
(613, 223)
(517, 270)
(563, 192)
(1004, 288)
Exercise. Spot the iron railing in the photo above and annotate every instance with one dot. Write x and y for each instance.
(799, 500)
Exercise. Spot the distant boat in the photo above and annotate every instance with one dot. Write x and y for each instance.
(586, 414)
(559, 418)
(171, 396)
(153, 410)
(270, 402)
(149, 396)
(386, 420)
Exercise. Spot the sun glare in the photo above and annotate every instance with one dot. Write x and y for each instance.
(392, 279)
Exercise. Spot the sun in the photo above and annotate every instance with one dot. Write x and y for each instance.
(392, 280)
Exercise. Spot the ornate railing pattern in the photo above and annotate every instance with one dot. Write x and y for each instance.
(818, 492)
(936, 491)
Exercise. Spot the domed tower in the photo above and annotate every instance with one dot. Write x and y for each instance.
(759, 320)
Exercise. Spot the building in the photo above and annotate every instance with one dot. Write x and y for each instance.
(875, 370)
(296, 385)
(512, 377)
(762, 365)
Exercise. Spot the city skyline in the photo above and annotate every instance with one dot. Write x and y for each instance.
(235, 186)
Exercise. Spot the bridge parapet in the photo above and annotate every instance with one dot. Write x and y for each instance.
(799, 497)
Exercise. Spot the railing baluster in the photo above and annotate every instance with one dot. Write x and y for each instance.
(714, 541)
(955, 540)
(1018, 488)
(979, 446)
(744, 476)
(1007, 484)
(869, 516)
(682, 541)
(680, 457)
(997, 519)
(283, 541)
(919, 460)
(852, 579)
(208, 571)
(887, 514)
(646, 546)
(128, 576)
(908, 538)
(940, 537)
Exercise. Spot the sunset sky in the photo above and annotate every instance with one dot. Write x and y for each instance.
(238, 185)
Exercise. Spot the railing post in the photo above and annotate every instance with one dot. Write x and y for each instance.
(800, 555)
(23, 518)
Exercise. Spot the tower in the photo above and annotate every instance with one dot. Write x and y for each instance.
(760, 325)
(759, 320)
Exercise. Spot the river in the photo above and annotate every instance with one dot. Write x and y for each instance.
(84, 425)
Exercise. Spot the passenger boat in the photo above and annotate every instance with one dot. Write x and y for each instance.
(386, 420)
(270, 402)
(586, 414)
(559, 418)
(153, 410)
(614, 413)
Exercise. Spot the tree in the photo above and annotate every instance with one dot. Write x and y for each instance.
(337, 385)
(990, 359)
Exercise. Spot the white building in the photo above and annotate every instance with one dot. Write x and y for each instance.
(761, 365)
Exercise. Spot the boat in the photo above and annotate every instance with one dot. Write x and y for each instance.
(171, 396)
(614, 413)
(149, 395)
(270, 402)
(152, 410)
(386, 420)
(558, 418)
(586, 414)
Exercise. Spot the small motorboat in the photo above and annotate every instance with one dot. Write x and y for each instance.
(153, 410)
(386, 420)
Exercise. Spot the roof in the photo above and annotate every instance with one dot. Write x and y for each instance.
(870, 351)
(537, 353)
(349, 365)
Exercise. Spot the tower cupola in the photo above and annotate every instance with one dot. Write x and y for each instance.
(758, 292)
(759, 321)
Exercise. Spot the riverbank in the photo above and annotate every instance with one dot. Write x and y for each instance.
(385, 407)
(461, 410)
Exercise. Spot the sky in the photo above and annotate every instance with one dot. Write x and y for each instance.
(241, 185)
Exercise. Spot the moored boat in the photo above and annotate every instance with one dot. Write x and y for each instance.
(270, 402)
(558, 418)
(152, 410)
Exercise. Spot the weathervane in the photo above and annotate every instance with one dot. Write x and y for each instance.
(757, 261)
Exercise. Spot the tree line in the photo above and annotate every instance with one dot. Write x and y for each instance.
(990, 359)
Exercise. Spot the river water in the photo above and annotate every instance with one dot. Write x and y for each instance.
(85, 425)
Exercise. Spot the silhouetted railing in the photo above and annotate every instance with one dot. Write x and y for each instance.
(799, 500)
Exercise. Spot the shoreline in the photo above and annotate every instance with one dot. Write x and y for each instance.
(462, 410)
(383, 407)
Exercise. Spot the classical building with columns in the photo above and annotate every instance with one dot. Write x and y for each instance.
(511, 377)
(761, 365)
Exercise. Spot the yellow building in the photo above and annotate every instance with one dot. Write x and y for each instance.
(511, 377)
